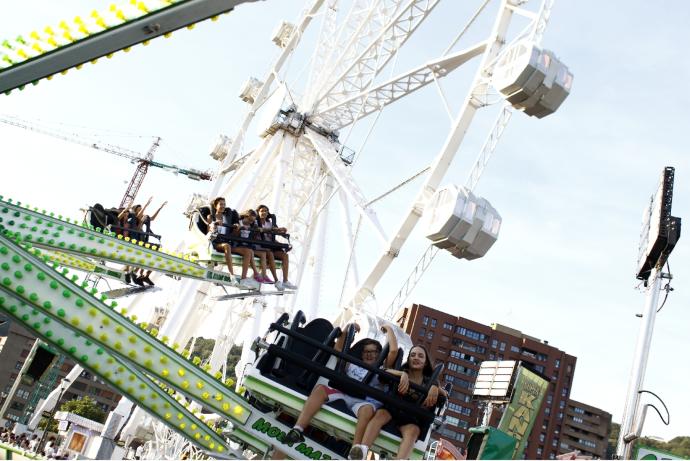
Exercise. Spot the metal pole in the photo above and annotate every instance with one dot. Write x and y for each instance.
(64, 385)
(18, 381)
(644, 341)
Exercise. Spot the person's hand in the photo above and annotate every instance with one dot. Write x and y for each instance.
(404, 385)
(431, 397)
(356, 327)
(385, 328)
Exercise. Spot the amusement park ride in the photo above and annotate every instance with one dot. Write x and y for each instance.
(298, 167)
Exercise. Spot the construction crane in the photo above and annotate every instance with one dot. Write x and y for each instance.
(143, 163)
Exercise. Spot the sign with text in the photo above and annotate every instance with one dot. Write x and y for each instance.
(519, 417)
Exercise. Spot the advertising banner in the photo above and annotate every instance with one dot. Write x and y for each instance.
(519, 417)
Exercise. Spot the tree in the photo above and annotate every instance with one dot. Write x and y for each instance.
(679, 446)
(203, 348)
(84, 406)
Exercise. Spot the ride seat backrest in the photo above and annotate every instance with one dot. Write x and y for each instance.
(267, 362)
(317, 329)
(97, 217)
(204, 212)
(321, 357)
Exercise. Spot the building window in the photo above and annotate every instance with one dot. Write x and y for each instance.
(494, 343)
(547, 411)
(560, 415)
(579, 410)
(552, 455)
(17, 406)
(570, 369)
(578, 419)
(452, 420)
(430, 335)
(442, 350)
(587, 443)
(18, 365)
(503, 347)
(554, 442)
(539, 369)
(422, 331)
(448, 326)
(433, 323)
(542, 437)
(549, 399)
(541, 357)
(539, 451)
(515, 349)
(425, 320)
(492, 356)
(557, 363)
(564, 392)
(561, 404)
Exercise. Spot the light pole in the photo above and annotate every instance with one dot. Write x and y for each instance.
(64, 385)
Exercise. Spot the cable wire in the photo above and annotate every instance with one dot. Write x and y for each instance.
(668, 413)
(667, 288)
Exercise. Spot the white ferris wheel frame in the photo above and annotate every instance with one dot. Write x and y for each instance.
(340, 98)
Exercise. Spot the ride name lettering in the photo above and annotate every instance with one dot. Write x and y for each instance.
(275, 432)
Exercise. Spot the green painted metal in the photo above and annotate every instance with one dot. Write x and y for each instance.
(521, 413)
(490, 443)
(57, 234)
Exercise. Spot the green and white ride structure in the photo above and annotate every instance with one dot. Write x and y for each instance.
(300, 167)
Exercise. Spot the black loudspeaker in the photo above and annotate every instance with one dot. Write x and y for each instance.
(40, 363)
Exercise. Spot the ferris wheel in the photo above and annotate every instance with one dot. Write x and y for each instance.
(292, 153)
(299, 162)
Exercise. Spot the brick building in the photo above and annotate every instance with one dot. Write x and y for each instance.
(462, 344)
(586, 429)
(15, 346)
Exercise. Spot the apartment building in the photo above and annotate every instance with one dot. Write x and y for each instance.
(15, 347)
(462, 344)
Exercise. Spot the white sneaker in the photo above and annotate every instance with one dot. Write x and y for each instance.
(279, 285)
(234, 280)
(249, 284)
(289, 285)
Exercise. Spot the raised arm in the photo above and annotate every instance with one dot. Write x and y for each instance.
(158, 210)
(392, 346)
(123, 213)
(143, 209)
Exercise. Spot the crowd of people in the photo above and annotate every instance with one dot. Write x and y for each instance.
(261, 228)
(371, 414)
(31, 444)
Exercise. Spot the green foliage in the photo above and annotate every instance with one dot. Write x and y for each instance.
(85, 406)
(203, 348)
(679, 446)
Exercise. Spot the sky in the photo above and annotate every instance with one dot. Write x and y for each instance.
(570, 188)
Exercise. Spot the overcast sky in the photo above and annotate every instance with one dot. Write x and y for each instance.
(571, 188)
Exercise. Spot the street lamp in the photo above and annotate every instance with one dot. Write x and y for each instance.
(64, 385)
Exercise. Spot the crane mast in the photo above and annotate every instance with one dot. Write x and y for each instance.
(143, 163)
(139, 175)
